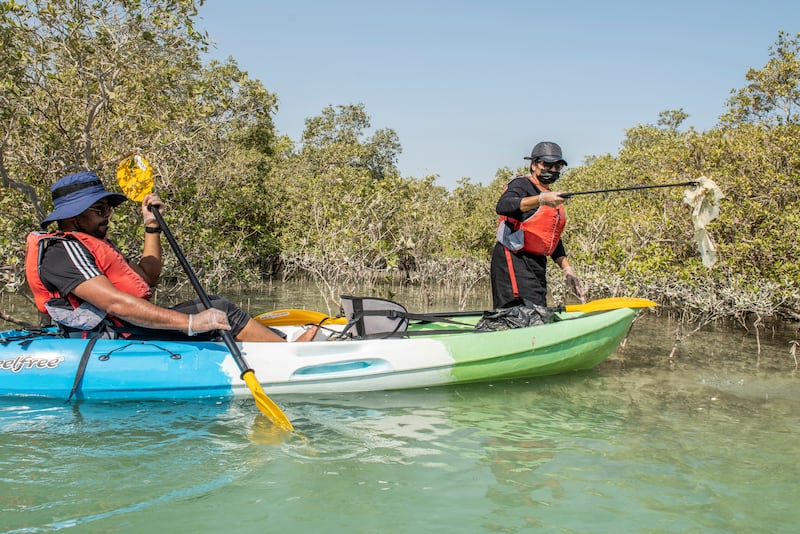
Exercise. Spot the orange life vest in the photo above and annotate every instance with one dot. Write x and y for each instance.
(541, 231)
(108, 259)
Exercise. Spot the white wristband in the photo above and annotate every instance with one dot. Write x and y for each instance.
(190, 332)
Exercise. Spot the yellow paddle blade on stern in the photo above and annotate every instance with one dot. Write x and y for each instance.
(291, 317)
(613, 303)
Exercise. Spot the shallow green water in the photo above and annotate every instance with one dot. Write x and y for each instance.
(705, 442)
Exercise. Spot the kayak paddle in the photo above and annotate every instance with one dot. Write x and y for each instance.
(289, 317)
(135, 177)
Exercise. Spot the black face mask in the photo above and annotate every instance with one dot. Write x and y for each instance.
(548, 177)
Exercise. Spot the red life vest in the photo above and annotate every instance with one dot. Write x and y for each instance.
(108, 259)
(541, 231)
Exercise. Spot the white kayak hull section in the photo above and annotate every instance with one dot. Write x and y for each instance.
(345, 366)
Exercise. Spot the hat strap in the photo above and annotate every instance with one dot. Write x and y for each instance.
(67, 189)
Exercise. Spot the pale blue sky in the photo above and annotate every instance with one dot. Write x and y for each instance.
(469, 86)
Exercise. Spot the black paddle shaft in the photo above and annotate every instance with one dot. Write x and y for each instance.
(198, 288)
(631, 188)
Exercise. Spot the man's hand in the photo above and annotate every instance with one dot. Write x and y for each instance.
(151, 200)
(210, 319)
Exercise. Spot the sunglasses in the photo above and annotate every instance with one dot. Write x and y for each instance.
(102, 211)
(555, 166)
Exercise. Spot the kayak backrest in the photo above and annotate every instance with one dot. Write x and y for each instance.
(373, 317)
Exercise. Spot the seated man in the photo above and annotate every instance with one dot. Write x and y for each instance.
(87, 286)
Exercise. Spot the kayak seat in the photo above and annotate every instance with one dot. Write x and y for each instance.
(373, 317)
(377, 318)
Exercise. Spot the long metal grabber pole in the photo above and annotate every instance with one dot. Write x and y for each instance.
(631, 188)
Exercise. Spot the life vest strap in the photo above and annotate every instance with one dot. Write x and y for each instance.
(514, 286)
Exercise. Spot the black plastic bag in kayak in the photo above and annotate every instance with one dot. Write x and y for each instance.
(515, 317)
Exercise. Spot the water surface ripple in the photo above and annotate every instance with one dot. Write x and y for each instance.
(699, 443)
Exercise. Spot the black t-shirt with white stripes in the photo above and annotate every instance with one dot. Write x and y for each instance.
(66, 264)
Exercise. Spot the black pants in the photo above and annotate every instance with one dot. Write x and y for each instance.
(530, 273)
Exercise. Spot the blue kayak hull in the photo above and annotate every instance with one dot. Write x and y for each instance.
(131, 370)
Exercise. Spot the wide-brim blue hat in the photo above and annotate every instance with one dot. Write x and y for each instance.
(75, 193)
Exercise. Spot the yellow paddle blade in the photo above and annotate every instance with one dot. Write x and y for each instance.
(265, 404)
(613, 303)
(135, 177)
(291, 317)
(265, 432)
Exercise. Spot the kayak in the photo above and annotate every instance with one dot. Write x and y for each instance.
(42, 364)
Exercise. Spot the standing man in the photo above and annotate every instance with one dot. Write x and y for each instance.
(532, 219)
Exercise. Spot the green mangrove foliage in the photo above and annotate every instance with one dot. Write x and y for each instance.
(85, 84)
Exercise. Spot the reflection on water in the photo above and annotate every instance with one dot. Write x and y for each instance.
(706, 441)
(582, 453)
